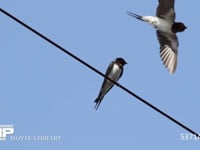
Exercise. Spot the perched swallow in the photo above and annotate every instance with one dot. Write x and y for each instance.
(114, 72)
(166, 27)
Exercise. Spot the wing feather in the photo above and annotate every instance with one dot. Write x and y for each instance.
(165, 10)
(168, 50)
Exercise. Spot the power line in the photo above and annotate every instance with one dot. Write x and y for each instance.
(100, 73)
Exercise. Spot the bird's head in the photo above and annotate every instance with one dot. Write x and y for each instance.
(178, 27)
(120, 61)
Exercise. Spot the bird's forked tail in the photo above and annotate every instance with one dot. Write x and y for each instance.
(135, 15)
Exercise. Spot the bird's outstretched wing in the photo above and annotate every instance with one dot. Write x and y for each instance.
(168, 50)
(165, 10)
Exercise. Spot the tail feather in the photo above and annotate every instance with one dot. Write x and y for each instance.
(98, 102)
(135, 15)
(96, 106)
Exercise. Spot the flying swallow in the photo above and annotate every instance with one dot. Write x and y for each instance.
(114, 72)
(166, 29)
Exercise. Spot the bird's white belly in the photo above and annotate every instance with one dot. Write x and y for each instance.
(159, 23)
(115, 72)
(164, 26)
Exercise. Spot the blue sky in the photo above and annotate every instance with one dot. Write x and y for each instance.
(46, 92)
